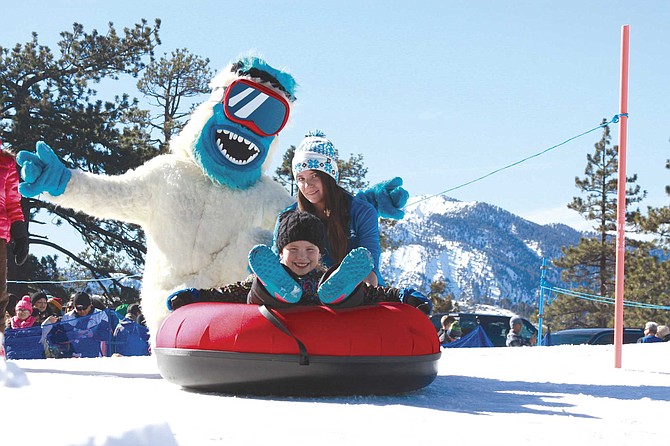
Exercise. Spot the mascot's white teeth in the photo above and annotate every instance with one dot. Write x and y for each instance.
(237, 149)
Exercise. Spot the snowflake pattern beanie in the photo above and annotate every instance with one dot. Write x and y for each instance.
(315, 152)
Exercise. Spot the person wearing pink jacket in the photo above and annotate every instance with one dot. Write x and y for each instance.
(12, 223)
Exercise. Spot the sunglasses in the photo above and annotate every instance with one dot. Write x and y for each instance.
(81, 307)
(259, 108)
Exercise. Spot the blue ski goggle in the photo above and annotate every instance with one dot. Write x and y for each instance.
(255, 106)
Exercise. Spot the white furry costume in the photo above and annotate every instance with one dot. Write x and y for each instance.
(199, 231)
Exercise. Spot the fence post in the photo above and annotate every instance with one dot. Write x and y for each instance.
(543, 270)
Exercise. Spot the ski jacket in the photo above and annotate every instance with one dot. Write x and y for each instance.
(10, 200)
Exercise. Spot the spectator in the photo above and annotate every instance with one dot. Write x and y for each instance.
(69, 305)
(450, 329)
(55, 306)
(40, 307)
(514, 338)
(131, 338)
(650, 330)
(122, 310)
(663, 332)
(88, 329)
(24, 317)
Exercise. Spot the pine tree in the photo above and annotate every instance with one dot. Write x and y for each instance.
(284, 173)
(49, 97)
(657, 221)
(168, 82)
(648, 278)
(590, 265)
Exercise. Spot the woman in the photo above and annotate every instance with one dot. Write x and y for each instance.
(24, 317)
(12, 224)
(350, 221)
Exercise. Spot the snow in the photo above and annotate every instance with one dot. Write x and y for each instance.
(545, 395)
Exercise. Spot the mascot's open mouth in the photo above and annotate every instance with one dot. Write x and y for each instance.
(237, 149)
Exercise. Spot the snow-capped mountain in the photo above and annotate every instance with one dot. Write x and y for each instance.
(482, 252)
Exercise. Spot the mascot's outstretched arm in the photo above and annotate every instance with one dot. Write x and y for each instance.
(125, 197)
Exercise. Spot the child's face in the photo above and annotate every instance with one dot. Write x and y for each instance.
(23, 313)
(300, 257)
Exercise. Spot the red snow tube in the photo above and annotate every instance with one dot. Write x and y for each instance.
(308, 350)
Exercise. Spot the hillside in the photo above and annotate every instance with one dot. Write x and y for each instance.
(482, 252)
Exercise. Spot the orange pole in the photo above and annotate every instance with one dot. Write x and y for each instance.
(621, 199)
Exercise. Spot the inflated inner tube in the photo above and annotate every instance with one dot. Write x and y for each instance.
(307, 350)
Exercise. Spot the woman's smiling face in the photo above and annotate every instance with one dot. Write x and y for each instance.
(311, 186)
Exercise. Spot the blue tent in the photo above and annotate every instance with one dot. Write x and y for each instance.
(476, 338)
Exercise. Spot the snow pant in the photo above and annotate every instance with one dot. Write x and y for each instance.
(4, 298)
(259, 295)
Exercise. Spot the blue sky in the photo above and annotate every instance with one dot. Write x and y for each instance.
(437, 92)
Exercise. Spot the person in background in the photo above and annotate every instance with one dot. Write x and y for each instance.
(450, 331)
(131, 338)
(24, 317)
(69, 305)
(650, 330)
(41, 310)
(12, 223)
(88, 328)
(55, 306)
(663, 332)
(514, 338)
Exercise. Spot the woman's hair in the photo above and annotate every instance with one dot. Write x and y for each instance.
(337, 206)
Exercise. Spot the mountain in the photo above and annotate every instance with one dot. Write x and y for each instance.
(483, 253)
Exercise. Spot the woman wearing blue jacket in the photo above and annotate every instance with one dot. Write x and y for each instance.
(351, 222)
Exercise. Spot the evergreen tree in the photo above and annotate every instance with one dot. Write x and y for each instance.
(284, 173)
(441, 300)
(168, 82)
(648, 279)
(657, 221)
(49, 97)
(590, 265)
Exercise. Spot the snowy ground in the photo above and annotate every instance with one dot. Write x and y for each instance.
(544, 395)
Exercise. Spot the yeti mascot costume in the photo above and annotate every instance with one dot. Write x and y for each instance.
(207, 203)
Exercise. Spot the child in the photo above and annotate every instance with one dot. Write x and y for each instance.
(297, 277)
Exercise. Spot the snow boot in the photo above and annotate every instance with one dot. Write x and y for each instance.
(271, 273)
(354, 268)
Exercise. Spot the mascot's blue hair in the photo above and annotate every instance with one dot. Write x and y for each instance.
(257, 67)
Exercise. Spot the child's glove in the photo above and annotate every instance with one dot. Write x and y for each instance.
(181, 298)
(412, 297)
(19, 235)
(42, 171)
(388, 197)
